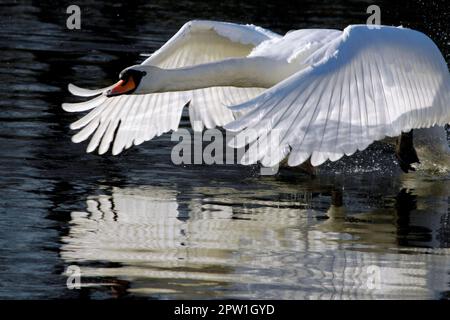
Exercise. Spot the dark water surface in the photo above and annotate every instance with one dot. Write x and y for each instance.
(139, 226)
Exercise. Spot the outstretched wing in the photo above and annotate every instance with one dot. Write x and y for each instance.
(362, 86)
(133, 119)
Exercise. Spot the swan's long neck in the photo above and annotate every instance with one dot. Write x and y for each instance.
(237, 72)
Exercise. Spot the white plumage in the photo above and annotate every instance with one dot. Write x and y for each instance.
(360, 87)
(142, 117)
(324, 93)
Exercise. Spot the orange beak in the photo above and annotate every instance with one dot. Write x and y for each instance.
(122, 87)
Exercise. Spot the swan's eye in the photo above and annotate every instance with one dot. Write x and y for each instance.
(135, 73)
(123, 75)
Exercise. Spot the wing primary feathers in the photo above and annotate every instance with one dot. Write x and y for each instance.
(81, 92)
(84, 106)
(126, 120)
(84, 133)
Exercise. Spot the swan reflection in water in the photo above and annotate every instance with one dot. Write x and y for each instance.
(152, 242)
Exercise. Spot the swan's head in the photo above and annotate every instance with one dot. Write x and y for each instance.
(135, 80)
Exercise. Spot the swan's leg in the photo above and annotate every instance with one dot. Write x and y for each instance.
(405, 152)
(336, 212)
(337, 198)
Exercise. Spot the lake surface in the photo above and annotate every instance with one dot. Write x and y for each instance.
(139, 226)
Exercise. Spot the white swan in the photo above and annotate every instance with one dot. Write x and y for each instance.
(326, 93)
